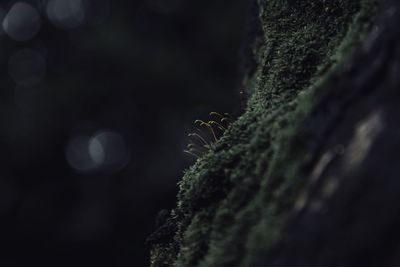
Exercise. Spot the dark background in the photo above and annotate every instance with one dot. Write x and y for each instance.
(96, 101)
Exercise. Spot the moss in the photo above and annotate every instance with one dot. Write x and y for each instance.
(234, 200)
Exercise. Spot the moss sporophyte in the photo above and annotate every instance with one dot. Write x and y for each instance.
(207, 133)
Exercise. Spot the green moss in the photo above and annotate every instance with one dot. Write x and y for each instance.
(234, 200)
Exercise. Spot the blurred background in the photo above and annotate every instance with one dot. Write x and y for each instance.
(96, 100)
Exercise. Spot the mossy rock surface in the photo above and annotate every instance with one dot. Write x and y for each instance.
(235, 200)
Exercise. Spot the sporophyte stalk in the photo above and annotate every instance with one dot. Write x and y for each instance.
(207, 133)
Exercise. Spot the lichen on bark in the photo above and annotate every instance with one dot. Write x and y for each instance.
(234, 201)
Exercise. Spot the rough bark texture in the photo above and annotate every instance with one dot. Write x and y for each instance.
(307, 175)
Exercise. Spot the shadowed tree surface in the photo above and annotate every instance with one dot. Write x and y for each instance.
(308, 174)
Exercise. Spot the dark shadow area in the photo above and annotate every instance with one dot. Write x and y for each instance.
(97, 98)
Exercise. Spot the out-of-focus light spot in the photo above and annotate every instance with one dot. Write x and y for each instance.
(22, 22)
(109, 149)
(78, 156)
(66, 14)
(27, 67)
(96, 151)
(105, 151)
(2, 16)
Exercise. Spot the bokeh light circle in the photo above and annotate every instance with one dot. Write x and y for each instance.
(105, 151)
(66, 14)
(109, 149)
(77, 155)
(22, 22)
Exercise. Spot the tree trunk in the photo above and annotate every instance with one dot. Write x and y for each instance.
(307, 175)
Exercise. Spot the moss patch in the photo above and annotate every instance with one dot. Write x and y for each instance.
(234, 200)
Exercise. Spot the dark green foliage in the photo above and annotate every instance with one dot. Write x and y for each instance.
(233, 202)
